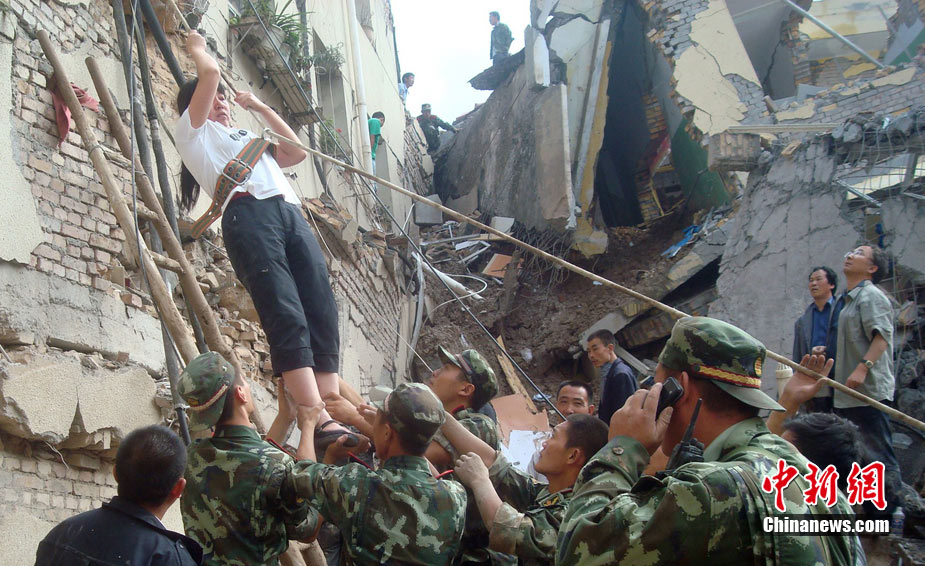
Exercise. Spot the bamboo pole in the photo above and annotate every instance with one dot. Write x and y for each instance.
(895, 414)
(159, 292)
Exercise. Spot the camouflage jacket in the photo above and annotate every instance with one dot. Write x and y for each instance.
(476, 423)
(232, 506)
(528, 521)
(474, 547)
(429, 127)
(706, 512)
(398, 514)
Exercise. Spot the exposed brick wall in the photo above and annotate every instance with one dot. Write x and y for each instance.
(839, 104)
(82, 237)
(84, 244)
(34, 480)
(670, 24)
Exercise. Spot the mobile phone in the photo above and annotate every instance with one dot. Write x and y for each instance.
(671, 392)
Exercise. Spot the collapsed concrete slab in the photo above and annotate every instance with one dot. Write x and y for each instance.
(68, 315)
(514, 157)
(56, 397)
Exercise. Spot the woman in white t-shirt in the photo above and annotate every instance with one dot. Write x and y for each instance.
(271, 247)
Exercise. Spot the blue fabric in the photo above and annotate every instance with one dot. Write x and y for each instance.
(821, 324)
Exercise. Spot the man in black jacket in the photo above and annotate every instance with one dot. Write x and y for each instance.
(128, 530)
(618, 381)
(815, 332)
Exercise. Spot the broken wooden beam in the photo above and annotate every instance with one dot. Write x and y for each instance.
(512, 379)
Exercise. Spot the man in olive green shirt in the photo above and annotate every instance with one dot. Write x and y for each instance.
(865, 353)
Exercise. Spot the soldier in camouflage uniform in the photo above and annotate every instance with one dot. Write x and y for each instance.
(700, 512)
(400, 513)
(523, 514)
(429, 124)
(464, 383)
(232, 504)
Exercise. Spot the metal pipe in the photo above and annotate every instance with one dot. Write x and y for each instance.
(163, 173)
(162, 43)
(833, 33)
(365, 146)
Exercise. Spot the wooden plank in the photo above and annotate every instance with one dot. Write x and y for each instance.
(508, 368)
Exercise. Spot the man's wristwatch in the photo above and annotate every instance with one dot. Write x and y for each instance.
(867, 363)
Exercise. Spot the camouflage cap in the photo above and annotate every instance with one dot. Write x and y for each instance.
(203, 385)
(412, 409)
(477, 372)
(425, 107)
(715, 350)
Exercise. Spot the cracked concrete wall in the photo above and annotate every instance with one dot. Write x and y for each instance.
(52, 310)
(790, 219)
(514, 153)
(21, 231)
(703, 70)
(42, 399)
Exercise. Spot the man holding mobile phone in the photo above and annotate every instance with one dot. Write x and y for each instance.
(701, 511)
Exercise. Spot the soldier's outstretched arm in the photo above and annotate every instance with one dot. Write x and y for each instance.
(662, 521)
(464, 441)
(528, 535)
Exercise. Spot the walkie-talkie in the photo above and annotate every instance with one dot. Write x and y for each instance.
(689, 449)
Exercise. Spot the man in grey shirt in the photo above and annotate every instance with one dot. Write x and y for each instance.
(865, 353)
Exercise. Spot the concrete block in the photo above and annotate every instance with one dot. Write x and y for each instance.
(553, 159)
(40, 400)
(536, 54)
(733, 152)
(502, 223)
(427, 215)
(540, 11)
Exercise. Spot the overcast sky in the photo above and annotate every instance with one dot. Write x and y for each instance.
(446, 43)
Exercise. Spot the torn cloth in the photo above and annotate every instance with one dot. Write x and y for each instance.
(63, 113)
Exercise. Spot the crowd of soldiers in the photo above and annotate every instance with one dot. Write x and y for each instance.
(422, 479)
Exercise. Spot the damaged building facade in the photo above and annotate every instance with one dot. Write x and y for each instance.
(83, 352)
(741, 131)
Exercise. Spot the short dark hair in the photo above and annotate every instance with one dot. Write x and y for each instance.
(228, 407)
(881, 260)
(829, 275)
(575, 383)
(826, 439)
(405, 76)
(605, 336)
(586, 432)
(495, 14)
(149, 463)
(718, 400)
(379, 115)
